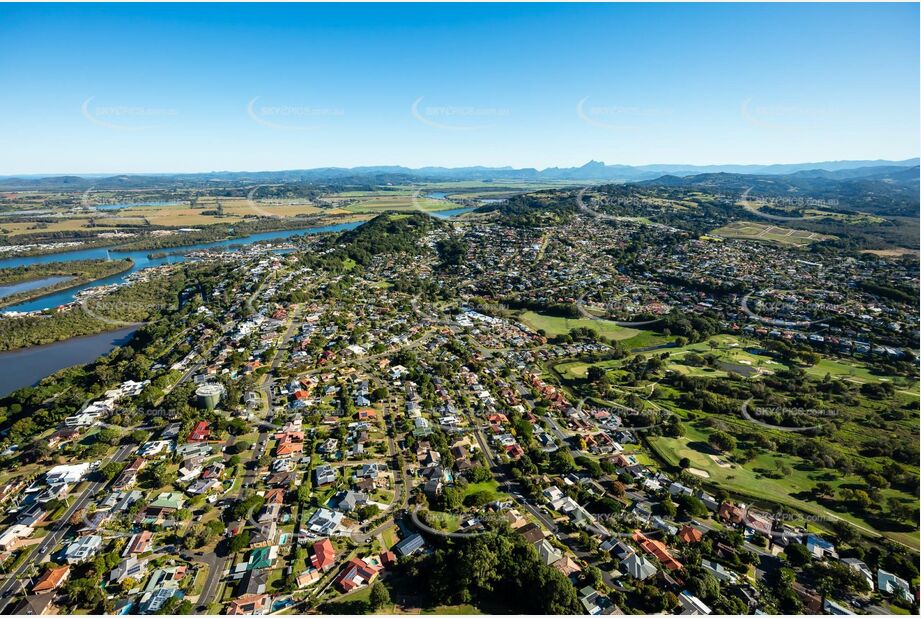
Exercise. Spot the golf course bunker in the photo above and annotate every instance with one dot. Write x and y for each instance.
(721, 463)
(699, 473)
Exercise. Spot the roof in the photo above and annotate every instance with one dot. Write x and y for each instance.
(690, 534)
(657, 549)
(531, 532)
(249, 604)
(409, 545)
(638, 567)
(324, 555)
(51, 579)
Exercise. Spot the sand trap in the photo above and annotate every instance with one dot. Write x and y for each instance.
(701, 473)
(720, 462)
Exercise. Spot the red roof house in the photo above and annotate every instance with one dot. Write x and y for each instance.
(324, 556)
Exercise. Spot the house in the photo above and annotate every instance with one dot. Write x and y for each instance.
(129, 567)
(889, 583)
(250, 605)
(324, 556)
(638, 567)
(732, 513)
(199, 433)
(547, 553)
(594, 602)
(36, 605)
(862, 568)
(259, 558)
(692, 606)
(658, 549)
(67, 475)
(718, 571)
(168, 501)
(155, 448)
(264, 535)
(819, 547)
(811, 600)
(274, 496)
(324, 474)
(308, 578)
(618, 549)
(12, 536)
(410, 545)
(82, 549)
(351, 501)
(254, 581)
(357, 573)
(324, 522)
(51, 580)
(690, 534)
(138, 544)
(567, 566)
(369, 471)
(531, 533)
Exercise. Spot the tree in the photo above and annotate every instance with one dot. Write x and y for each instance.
(596, 374)
(668, 507)
(111, 470)
(562, 461)
(691, 506)
(139, 436)
(722, 441)
(380, 596)
(239, 542)
(684, 463)
(797, 554)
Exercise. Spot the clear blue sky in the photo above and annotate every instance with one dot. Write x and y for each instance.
(164, 88)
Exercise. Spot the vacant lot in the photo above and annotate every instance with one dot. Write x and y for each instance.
(748, 230)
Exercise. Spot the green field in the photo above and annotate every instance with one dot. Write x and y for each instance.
(553, 326)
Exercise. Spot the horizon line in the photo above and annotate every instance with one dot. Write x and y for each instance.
(457, 167)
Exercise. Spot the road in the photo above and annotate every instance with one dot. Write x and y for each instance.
(218, 564)
(40, 551)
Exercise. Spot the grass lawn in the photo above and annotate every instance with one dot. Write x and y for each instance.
(855, 371)
(201, 576)
(451, 610)
(553, 326)
(389, 537)
(448, 522)
(492, 487)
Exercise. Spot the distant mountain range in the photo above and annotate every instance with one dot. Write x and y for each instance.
(593, 171)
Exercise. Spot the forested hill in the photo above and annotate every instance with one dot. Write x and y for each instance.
(890, 191)
(386, 233)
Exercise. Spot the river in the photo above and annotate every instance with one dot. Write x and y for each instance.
(25, 367)
(27, 286)
(141, 260)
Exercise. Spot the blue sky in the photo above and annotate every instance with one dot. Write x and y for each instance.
(173, 88)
